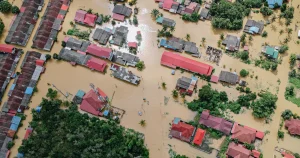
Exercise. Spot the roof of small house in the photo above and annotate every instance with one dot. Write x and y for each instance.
(168, 22)
(232, 42)
(199, 136)
(204, 13)
(28, 132)
(214, 79)
(216, 123)
(255, 153)
(6, 48)
(74, 44)
(118, 17)
(243, 134)
(293, 126)
(90, 19)
(228, 77)
(182, 131)
(271, 52)
(96, 64)
(122, 10)
(80, 15)
(91, 103)
(98, 51)
(237, 151)
(251, 24)
(101, 35)
(272, 3)
(184, 82)
(167, 4)
(132, 44)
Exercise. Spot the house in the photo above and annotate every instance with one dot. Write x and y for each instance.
(84, 18)
(214, 79)
(72, 56)
(237, 151)
(94, 102)
(228, 77)
(193, 7)
(182, 130)
(78, 97)
(216, 123)
(5, 48)
(96, 64)
(191, 48)
(102, 52)
(124, 74)
(102, 36)
(174, 7)
(125, 58)
(50, 25)
(254, 27)
(132, 45)
(232, 43)
(166, 21)
(23, 24)
(77, 45)
(176, 45)
(121, 11)
(167, 4)
(28, 133)
(173, 61)
(272, 3)
(293, 126)
(270, 52)
(119, 35)
(245, 134)
(187, 85)
(204, 14)
(199, 137)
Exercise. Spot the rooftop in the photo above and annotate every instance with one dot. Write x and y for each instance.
(293, 126)
(237, 151)
(182, 131)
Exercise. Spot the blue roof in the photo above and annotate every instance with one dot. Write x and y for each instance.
(194, 78)
(80, 93)
(254, 29)
(13, 127)
(160, 20)
(29, 90)
(16, 120)
(105, 113)
(38, 109)
(20, 155)
(176, 120)
(272, 3)
(12, 86)
(163, 42)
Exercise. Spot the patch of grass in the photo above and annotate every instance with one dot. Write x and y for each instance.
(295, 81)
(294, 100)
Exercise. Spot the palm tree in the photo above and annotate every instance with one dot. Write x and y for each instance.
(143, 123)
(250, 38)
(289, 30)
(164, 85)
(222, 36)
(281, 32)
(175, 93)
(286, 40)
(188, 37)
(154, 13)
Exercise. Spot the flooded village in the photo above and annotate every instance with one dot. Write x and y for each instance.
(187, 80)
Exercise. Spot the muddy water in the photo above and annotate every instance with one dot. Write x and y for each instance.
(157, 115)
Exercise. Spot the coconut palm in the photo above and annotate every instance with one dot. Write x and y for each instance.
(281, 32)
(187, 37)
(175, 93)
(289, 30)
(143, 123)
(250, 38)
(286, 40)
(172, 28)
(154, 13)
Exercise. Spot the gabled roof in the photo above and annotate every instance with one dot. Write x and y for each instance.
(6, 48)
(243, 134)
(90, 19)
(99, 51)
(122, 10)
(91, 102)
(216, 123)
(228, 77)
(199, 136)
(173, 60)
(182, 131)
(118, 17)
(167, 4)
(132, 44)
(79, 16)
(96, 64)
(237, 151)
(293, 126)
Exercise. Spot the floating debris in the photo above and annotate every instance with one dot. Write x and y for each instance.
(166, 100)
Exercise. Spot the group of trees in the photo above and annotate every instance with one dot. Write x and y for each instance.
(244, 73)
(6, 7)
(140, 65)
(266, 11)
(227, 15)
(68, 133)
(80, 34)
(165, 32)
(264, 106)
(194, 17)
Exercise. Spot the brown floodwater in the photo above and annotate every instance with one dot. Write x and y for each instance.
(158, 116)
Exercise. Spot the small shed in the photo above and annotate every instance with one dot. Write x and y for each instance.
(214, 79)
(29, 90)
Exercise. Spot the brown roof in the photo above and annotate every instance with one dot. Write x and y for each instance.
(293, 126)
(237, 151)
(243, 134)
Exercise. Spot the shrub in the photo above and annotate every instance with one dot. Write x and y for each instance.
(10, 145)
(266, 11)
(287, 114)
(140, 65)
(244, 73)
(5, 7)
(283, 49)
(245, 55)
(264, 34)
(292, 60)
(15, 10)
(280, 134)
(297, 155)
(1, 27)
(289, 92)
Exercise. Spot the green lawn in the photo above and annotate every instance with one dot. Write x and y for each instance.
(295, 82)
(294, 100)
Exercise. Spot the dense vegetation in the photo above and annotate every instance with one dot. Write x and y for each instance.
(227, 15)
(294, 84)
(73, 134)
(264, 107)
(5, 7)
(1, 27)
(193, 17)
(15, 10)
(80, 34)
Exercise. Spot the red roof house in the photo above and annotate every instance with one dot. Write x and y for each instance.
(181, 130)
(293, 126)
(101, 52)
(255, 153)
(287, 155)
(39, 62)
(90, 19)
(245, 135)
(96, 64)
(173, 60)
(167, 5)
(6, 48)
(28, 133)
(216, 123)
(214, 79)
(132, 44)
(80, 15)
(237, 151)
(118, 17)
(199, 136)
(92, 104)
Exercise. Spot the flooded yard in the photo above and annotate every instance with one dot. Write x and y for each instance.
(158, 116)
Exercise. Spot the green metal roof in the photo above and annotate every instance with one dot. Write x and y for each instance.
(271, 52)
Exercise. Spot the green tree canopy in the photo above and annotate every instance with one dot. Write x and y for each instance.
(15, 10)
(70, 134)
(264, 106)
(5, 6)
(1, 27)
